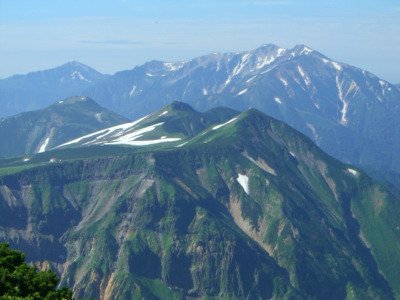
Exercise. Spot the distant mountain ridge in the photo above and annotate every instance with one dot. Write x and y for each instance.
(38, 131)
(36, 90)
(348, 112)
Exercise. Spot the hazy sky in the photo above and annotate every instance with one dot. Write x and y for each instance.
(113, 35)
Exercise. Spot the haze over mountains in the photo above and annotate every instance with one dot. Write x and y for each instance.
(348, 112)
(241, 205)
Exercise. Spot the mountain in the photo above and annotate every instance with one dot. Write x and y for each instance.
(37, 131)
(348, 112)
(176, 124)
(37, 90)
(247, 208)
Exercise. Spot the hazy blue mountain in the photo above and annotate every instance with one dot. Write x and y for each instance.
(37, 90)
(244, 208)
(40, 130)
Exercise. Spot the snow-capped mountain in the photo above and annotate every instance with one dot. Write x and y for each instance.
(239, 80)
(37, 90)
(349, 112)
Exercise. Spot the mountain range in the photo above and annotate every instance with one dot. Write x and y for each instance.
(220, 204)
(350, 113)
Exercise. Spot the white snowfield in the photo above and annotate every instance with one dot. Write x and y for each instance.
(78, 75)
(124, 134)
(244, 182)
(304, 76)
(352, 171)
(242, 92)
(44, 145)
(226, 123)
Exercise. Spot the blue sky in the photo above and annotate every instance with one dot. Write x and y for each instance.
(113, 35)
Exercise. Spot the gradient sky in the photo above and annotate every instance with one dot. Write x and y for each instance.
(113, 35)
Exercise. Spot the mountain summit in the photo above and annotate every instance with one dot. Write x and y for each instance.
(37, 90)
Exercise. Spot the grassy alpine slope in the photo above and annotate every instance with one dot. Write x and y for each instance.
(249, 208)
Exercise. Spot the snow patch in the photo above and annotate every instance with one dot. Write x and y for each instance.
(143, 143)
(163, 113)
(182, 144)
(383, 86)
(336, 65)
(170, 66)
(262, 62)
(244, 182)
(281, 51)
(44, 145)
(314, 131)
(343, 119)
(132, 90)
(352, 171)
(237, 69)
(284, 81)
(117, 130)
(267, 60)
(205, 92)
(78, 75)
(292, 154)
(277, 99)
(304, 76)
(226, 123)
(150, 75)
(98, 117)
(242, 92)
(26, 159)
(305, 51)
(251, 78)
(123, 137)
(60, 102)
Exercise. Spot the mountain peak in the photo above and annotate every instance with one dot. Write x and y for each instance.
(269, 46)
(179, 106)
(74, 63)
(76, 99)
(268, 49)
(301, 50)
